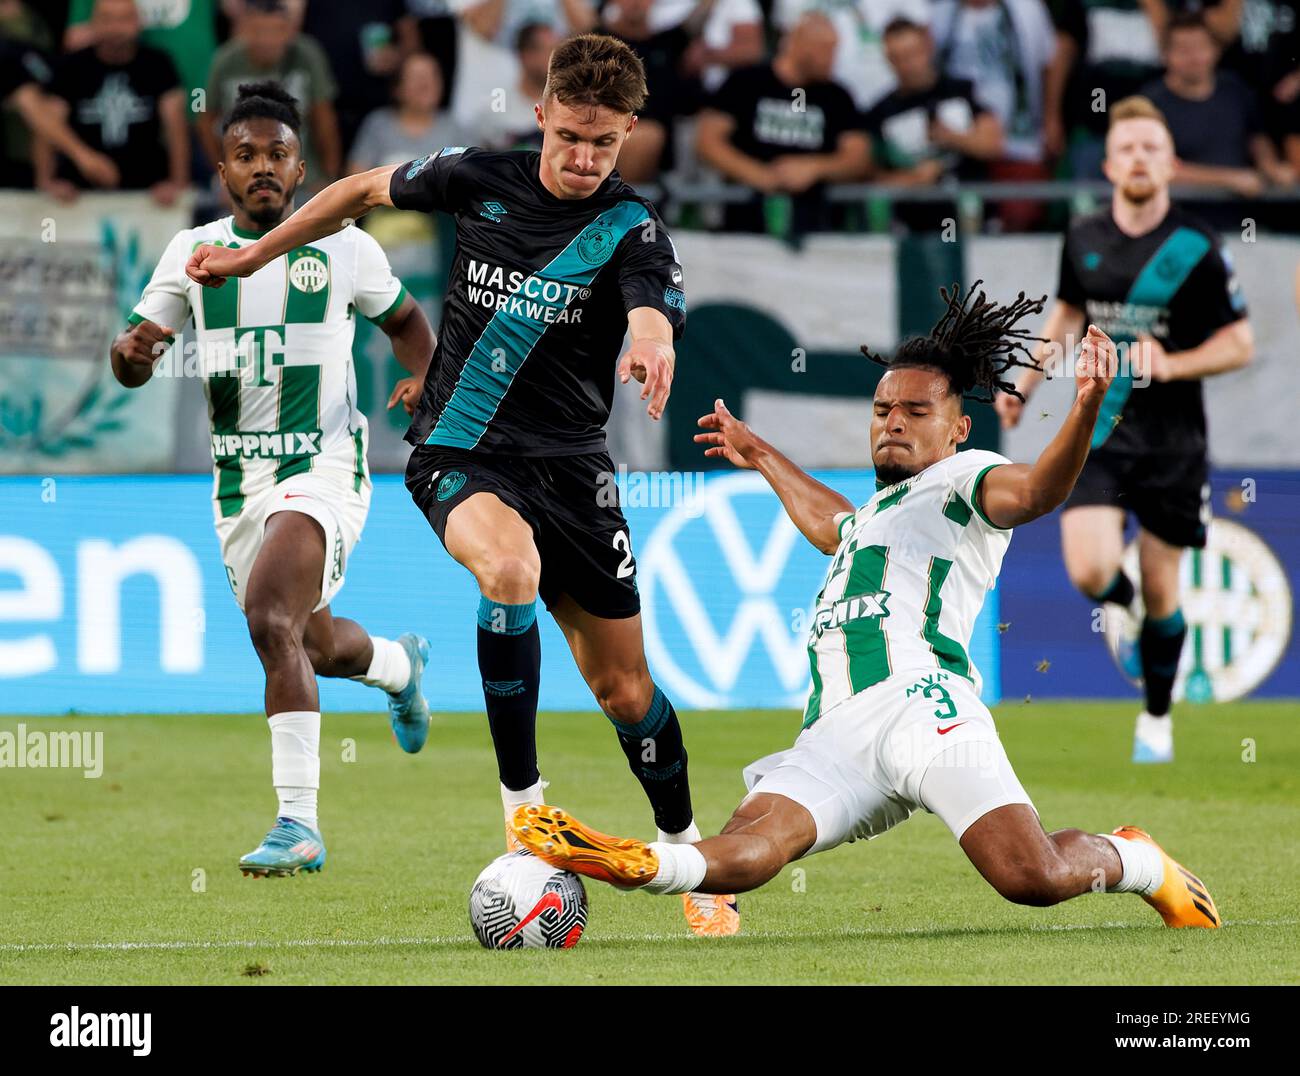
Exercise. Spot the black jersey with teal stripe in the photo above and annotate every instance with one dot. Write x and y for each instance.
(1175, 282)
(537, 302)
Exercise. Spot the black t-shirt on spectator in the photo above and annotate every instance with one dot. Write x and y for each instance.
(20, 64)
(928, 102)
(772, 120)
(341, 30)
(114, 109)
(1216, 131)
(671, 93)
(1268, 44)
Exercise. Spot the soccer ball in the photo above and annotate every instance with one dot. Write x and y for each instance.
(519, 902)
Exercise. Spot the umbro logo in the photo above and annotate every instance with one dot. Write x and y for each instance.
(493, 211)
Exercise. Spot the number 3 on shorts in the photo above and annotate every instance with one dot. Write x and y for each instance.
(624, 545)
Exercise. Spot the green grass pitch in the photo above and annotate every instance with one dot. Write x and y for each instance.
(101, 881)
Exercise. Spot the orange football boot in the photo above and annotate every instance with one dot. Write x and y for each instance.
(1183, 900)
(564, 842)
(711, 916)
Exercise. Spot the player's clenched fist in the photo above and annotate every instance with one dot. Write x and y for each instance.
(142, 344)
(1096, 366)
(728, 437)
(210, 266)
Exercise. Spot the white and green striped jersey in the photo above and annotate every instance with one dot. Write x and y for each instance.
(907, 582)
(275, 352)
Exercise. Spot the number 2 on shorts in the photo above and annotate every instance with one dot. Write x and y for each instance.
(624, 544)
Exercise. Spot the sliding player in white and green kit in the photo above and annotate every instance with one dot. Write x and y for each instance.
(894, 721)
(292, 488)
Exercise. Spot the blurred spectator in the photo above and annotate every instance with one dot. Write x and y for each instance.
(784, 128)
(1005, 49)
(488, 68)
(931, 126)
(124, 100)
(22, 26)
(23, 73)
(500, 21)
(671, 93)
(430, 26)
(1261, 41)
(860, 64)
(1213, 117)
(507, 119)
(18, 22)
(268, 45)
(360, 40)
(413, 128)
(1111, 48)
(184, 29)
(731, 37)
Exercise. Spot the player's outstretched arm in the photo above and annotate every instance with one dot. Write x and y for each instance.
(338, 205)
(1063, 323)
(413, 341)
(135, 350)
(1017, 493)
(814, 508)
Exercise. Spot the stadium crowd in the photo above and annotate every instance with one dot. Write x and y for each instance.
(779, 99)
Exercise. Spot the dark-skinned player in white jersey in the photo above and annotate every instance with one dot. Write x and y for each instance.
(291, 490)
(894, 721)
(557, 259)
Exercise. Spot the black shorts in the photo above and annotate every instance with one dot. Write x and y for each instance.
(571, 503)
(1169, 495)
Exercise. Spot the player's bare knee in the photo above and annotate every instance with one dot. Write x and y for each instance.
(624, 698)
(273, 631)
(508, 577)
(1090, 579)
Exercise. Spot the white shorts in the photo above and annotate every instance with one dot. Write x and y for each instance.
(330, 501)
(916, 740)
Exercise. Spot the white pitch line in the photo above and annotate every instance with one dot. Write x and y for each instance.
(380, 943)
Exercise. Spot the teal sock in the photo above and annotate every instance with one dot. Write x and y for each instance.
(1161, 645)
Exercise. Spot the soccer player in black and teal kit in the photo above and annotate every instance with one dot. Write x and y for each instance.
(1152, 275)
(557, 259)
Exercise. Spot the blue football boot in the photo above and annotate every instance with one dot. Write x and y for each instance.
(408, 712)
(290, 847)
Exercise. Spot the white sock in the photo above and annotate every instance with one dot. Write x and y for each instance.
(295, 763)
(682, 868)
(390, 667)
(1142, 866)
(690, 835)
(511, 799)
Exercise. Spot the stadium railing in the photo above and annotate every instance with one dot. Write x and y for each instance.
(876, 201)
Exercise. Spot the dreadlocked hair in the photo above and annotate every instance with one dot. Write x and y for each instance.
(269, 100)
(974, 344)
